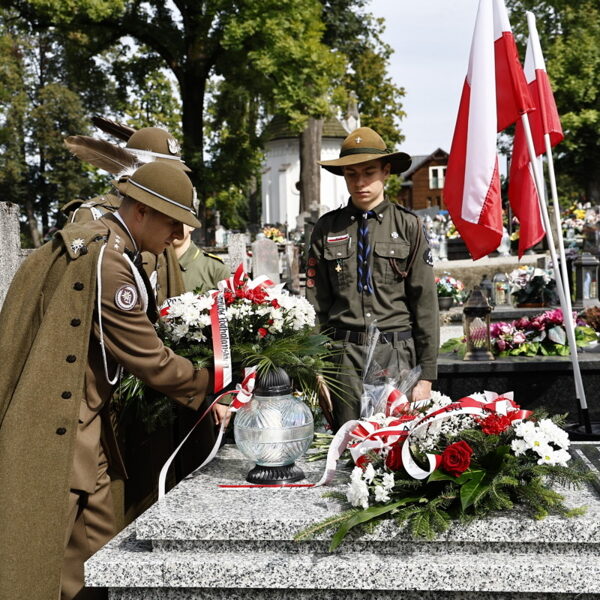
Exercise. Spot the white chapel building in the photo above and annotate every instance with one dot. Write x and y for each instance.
(281, 171)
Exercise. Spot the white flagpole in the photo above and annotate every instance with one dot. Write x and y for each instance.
(537, 57)
(560, 285)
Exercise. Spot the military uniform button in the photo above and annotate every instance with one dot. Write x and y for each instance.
(61, 431)
(78, 286)
(364, 287)
(83, 250)
(391, 252)
(368, 315)
(66, 395)
(71, 358)
(339, 253)
(75, 322)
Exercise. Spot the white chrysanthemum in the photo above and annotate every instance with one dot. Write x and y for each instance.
(388, 481)
(356, 474)
(518, 447)
(562, 457)
(535, 439)
(357, 493)
(381, 494)
(524, 428)
(369, 473)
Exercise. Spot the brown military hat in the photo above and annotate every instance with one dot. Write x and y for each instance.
(164, 187)
(363, 145)
(158, 144)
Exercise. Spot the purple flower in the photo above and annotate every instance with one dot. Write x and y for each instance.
(501, 345)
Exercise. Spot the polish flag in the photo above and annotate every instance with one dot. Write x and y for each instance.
(545, 120)
(494, 96)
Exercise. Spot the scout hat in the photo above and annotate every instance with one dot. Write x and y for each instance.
(363, 145)
(153, 143)
(164, 187)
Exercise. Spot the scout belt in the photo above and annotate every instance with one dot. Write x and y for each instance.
(360, 337)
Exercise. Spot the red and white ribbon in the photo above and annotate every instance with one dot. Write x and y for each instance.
(220, 342)
(368, 435)
(243, 394)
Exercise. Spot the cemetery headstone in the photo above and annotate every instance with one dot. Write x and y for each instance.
(265, 259)
(10, 246)
(237, 251)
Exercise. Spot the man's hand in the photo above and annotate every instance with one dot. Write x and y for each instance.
(219, 414)
(422, 390)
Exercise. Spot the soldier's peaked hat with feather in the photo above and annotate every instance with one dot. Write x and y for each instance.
(363, 145)
(164, 187)
(157, 144)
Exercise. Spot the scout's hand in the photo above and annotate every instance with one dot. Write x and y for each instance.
(421, 391)
(219, 413)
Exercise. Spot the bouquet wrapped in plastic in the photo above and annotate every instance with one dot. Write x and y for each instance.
(386, 386)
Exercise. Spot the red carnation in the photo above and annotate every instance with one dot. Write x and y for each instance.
(262, 332)
(456, 458)
(394, 458)
(494, 424)
(275, 304)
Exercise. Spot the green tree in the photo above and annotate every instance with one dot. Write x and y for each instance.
(37, 110)
(351, 30)
(569, 34)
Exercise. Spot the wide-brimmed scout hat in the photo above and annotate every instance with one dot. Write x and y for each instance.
(157, 144)
(363, 145)
(164, 187)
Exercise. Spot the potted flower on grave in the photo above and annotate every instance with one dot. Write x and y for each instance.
(449, 291)
(531, 287)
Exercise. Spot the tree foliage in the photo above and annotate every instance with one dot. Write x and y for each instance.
(214, 72)
(569, 34)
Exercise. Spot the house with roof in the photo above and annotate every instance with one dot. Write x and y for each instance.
(281, 171)
(423, 183)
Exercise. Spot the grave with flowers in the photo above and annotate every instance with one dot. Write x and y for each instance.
(450, 497)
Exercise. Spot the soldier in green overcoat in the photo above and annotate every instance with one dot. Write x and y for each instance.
(369, 263)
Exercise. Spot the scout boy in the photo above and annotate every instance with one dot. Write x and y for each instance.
(369, 262)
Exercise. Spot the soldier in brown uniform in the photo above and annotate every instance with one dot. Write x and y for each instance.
(369, 262)
(78, 310)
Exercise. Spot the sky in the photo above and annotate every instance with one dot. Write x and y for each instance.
(431, 39)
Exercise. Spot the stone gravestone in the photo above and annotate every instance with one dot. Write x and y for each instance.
(265, 259)
(237, 251)
(10, 245)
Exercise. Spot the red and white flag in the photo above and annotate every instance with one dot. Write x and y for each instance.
(545, 120)
(494, 96)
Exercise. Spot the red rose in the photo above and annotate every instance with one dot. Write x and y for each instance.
(495, 424)
(456, 458)
(262, 332)
(394, 458)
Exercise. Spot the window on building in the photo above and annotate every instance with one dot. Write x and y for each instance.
(436, 177)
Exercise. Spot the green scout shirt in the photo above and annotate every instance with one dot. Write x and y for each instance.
(399, 302)
(202, 271)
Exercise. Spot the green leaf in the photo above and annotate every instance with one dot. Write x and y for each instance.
(558, 335)
(364, 516)
(472, 489)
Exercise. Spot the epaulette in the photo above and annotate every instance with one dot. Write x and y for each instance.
(407, 210)
(71, 205)
(76, 239)
(213, 256)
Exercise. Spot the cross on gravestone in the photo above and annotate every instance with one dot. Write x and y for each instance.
(10, 245)
(237, 251)
(265, 259)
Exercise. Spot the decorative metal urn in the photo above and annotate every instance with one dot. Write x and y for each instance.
(273, 430)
